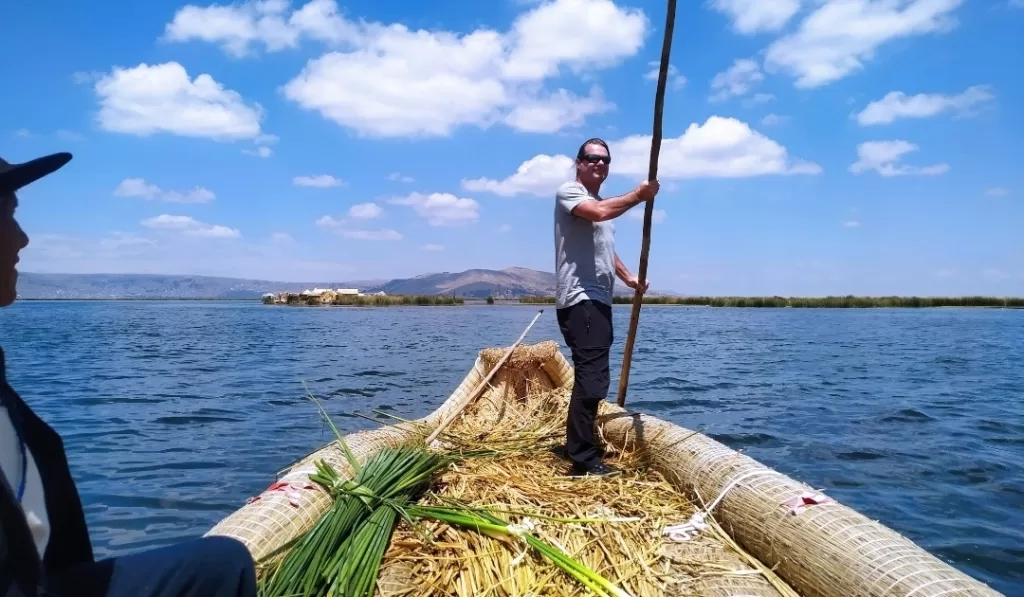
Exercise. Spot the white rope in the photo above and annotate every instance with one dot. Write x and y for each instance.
(933, 582)
(687, 530)
(698, 522)
(951, 591)
(907, 577)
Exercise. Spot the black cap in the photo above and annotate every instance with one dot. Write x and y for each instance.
(16, 176)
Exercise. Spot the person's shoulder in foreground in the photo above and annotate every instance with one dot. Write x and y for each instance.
(44, 541)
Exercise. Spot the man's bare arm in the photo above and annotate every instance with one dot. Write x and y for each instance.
(627, 277)
(621, 270)
(608, 209)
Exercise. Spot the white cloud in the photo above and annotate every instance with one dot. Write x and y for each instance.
(637, 213)
(163, 252)
(138, 187)
(837, 38)
(674, 81)
(504, 228)
(561, 32)
(773, 119)
(754, 16)
(281, 237)
(851, 224)
(125, 241)
(998, 191)
(540, 176)
(83, 77)
(441, 209)
(896, 105)
(759, 98)
(399, 177)
(190, 226)
(162, 98)
(386, 234)
(365, 211)
(408, 86)
(393, 81)
(551, 113)
(262, 151)
(329, 222)
(1016, 3)
(433, 247)
(321, 181)
(23, 134)
(741, 77)
(240, 26)
(341, 228)
(884, 157)
(720, 148)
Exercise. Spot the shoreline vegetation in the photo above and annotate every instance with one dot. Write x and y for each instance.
(827, 302)
(770, 302)
(327, 299)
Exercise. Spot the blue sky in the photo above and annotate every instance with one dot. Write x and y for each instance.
(811, 146)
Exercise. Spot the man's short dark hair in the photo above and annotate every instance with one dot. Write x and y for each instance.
(579, 154)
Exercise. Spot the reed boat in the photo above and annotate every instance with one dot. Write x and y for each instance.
(687, 515)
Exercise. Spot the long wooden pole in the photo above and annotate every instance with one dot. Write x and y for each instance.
(468, 399)
(659, 105)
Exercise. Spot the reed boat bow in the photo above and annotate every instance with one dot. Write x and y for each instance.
(780, 530)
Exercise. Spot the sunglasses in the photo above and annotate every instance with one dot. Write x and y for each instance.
(593, 159)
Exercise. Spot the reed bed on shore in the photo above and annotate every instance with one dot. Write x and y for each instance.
(828, 302)
(390, 300)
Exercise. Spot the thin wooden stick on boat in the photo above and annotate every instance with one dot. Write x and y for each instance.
(659, 106)
(483, 384)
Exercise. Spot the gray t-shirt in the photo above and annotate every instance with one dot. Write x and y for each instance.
(584, 251)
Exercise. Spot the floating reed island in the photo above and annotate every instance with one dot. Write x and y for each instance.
(351, 297)
(827, 302)
(487, 508)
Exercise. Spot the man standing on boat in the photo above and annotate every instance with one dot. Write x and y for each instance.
(44, 541)
(586, 267)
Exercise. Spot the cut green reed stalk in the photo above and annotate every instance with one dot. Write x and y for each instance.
(349, 456)
(493, 526)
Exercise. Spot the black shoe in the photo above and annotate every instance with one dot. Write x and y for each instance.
(597, 470)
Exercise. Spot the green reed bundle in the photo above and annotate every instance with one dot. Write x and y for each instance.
(341, 554)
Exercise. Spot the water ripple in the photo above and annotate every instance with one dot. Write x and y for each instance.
(174, 413)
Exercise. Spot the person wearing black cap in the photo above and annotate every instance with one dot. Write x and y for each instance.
(44, 541)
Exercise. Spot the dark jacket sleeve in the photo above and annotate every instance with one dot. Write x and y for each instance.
(19, 566)
(69, 542)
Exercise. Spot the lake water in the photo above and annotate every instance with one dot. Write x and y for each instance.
(174, 413)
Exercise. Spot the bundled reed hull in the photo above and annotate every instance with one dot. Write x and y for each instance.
(828, 550)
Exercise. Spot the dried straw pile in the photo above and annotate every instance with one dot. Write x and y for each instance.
(512, 440)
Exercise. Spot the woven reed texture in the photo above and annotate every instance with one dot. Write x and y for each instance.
(829, 550)
(271, 521)
(703, 567)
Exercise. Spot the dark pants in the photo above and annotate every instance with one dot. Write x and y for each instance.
(206, 567)
(587, 330)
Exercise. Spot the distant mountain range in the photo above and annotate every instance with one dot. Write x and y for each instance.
(511, 283)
